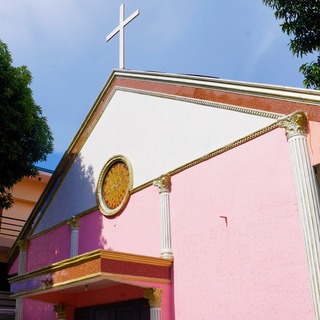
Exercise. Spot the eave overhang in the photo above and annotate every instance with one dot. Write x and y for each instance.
(99, 269)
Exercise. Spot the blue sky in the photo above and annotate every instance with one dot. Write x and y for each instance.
(62, 42)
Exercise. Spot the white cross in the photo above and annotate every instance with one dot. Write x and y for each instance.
(120, 29)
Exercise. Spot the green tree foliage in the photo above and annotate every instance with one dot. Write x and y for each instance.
(301, 19)
(25, 137)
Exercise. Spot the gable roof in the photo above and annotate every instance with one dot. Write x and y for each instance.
(254, 99)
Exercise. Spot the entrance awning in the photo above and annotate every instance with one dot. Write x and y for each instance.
(94, 270)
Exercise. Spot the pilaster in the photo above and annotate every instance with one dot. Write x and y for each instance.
(22, 268)
(74, 240)
(23, 246)
(308, 198)
(154, 297)
(164, 185)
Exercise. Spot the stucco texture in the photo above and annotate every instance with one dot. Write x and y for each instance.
(237, 238)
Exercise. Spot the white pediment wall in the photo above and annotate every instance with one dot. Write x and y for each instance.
(156, 134)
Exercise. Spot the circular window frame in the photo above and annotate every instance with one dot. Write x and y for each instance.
(104, 208)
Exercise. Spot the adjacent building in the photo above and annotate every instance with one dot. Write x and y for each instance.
(25, 194)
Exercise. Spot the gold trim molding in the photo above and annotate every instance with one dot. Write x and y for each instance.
(92, 255)
(97, 265)
(211, 155)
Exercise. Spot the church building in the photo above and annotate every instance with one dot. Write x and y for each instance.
(180, 197)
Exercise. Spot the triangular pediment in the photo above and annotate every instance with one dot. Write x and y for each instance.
(157, 132)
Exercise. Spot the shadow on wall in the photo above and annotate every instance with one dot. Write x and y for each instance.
(91, 232)
(82, 185)
(75, 195)
(91, 225)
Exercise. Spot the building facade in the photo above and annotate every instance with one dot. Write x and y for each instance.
(180, 197)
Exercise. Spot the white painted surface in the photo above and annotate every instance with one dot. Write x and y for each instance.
(156, 134)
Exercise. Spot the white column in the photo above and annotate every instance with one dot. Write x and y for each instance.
(163, 184)
(60, 311)
(308, 198)
(22, 268)
(154, 297)
(74, 241)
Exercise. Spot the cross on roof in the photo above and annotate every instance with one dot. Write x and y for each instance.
(120, 29)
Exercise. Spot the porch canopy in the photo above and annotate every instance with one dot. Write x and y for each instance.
(95, 271)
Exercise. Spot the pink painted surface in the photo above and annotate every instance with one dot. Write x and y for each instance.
(250, 265)
(313, 142)
(236, 236)
(14, 267)
(90, 237)
(48, 248)
(36, 310)
(136, 230)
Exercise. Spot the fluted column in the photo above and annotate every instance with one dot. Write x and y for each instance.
(23, 246)
(308, 198)
(60, 311)
(154, 297)
(22, 268)
(74, 241)
(164, 184)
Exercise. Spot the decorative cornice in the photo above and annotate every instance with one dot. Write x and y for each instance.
(163, 183)
(298, 95)
(93, 255)
(74, 223)
(294, 124)
(201, 102)
(99, 265)
(23, 245)
(60, 310)
(154, 297)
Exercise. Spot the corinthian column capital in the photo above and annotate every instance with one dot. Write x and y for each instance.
(60, 311)
(74, 223)
(163, 183)
(23, 245)
(154, 297)
(294, 124)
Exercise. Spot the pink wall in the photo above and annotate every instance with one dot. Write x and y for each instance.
(37, 310)
(14, 267)
(136, 230)
(48, 248)
(313, 142)
(250, 265)
(254, 266)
